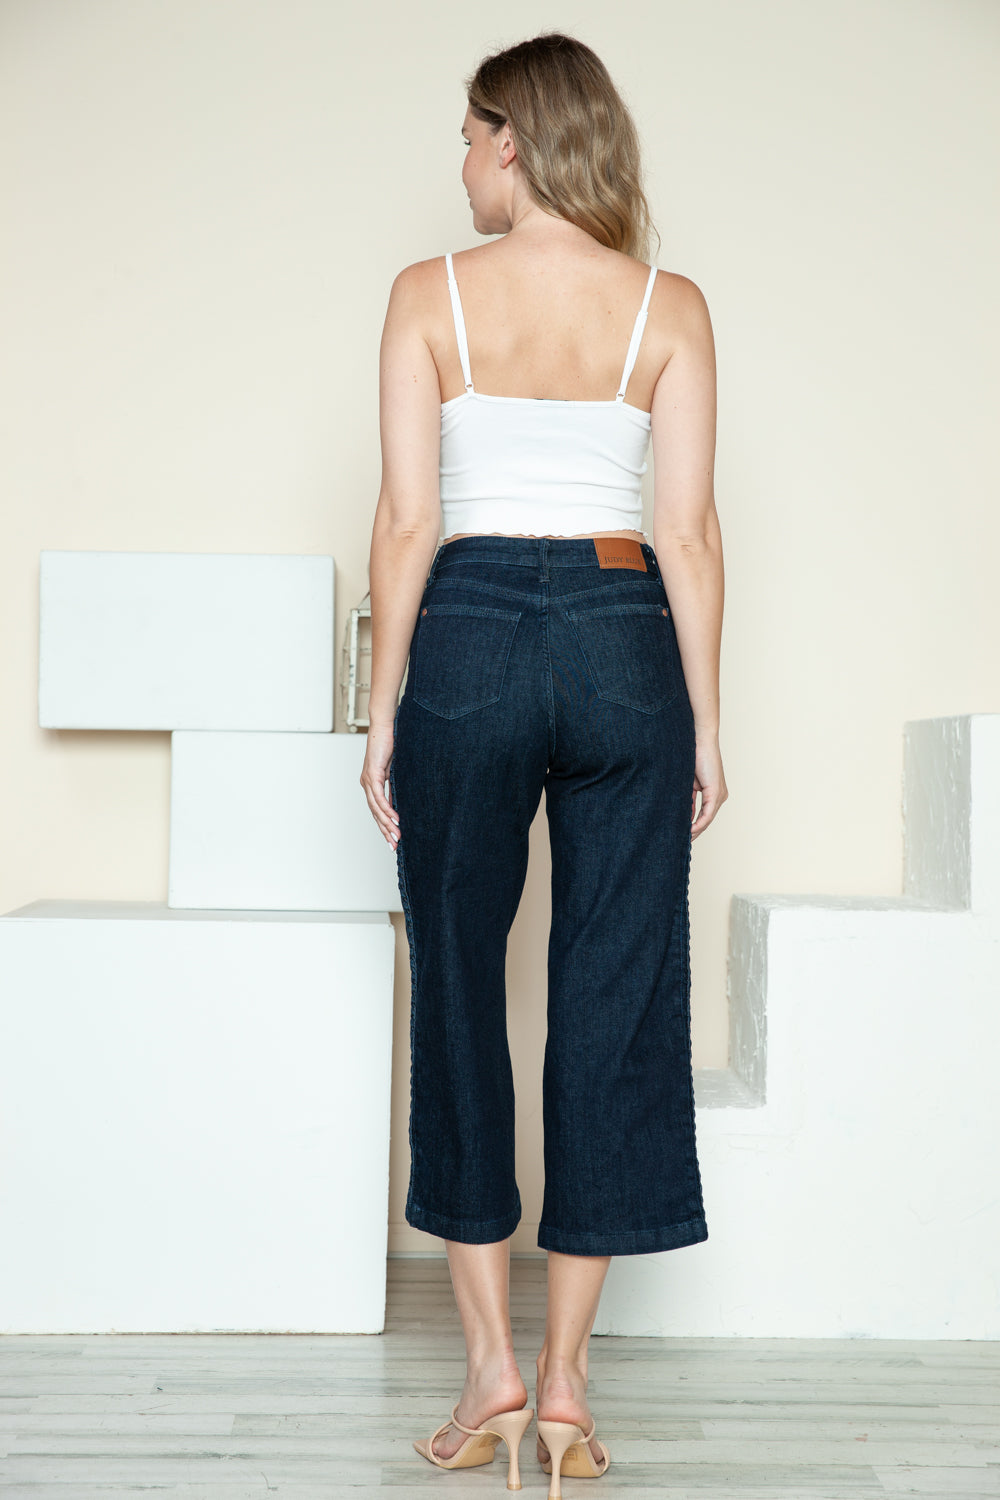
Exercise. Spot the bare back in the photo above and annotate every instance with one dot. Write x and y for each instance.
(551, 323)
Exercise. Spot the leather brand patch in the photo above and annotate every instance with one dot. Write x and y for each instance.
(619, 552)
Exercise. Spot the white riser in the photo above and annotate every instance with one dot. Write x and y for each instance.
(855, 1193)
(194, 1111)
(153, 640)
(275, 821)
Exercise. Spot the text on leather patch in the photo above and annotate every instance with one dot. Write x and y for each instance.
(619, 552)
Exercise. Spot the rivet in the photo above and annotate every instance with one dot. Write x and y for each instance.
(662, 611)
(424, 610)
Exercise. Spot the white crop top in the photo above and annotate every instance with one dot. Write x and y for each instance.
(531, 465)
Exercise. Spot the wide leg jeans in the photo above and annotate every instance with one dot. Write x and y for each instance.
(533, 667)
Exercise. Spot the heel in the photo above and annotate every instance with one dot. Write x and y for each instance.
(557, 1437)
(511, 1426)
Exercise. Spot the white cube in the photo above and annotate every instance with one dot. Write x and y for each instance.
(194, 1110)
(171, 640)
(275, 822)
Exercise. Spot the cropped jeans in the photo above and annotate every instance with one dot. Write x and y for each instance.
(533, 667)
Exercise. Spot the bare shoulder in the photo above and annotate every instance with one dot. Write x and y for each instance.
(678, 318)
(421, 280)
(679, 295)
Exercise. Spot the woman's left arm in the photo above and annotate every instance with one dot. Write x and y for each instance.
(407, 522)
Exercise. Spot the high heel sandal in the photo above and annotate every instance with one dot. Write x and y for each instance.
(480, 1446)
(570, 1453)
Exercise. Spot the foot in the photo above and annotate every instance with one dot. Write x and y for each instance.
(562, 1397)
(483, 1396)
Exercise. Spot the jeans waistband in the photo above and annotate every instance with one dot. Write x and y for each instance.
(539, 553)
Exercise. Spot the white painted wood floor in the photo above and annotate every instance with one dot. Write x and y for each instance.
(223, 1417)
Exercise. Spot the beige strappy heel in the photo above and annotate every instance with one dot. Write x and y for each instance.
(570, 1454)
(480, 1446)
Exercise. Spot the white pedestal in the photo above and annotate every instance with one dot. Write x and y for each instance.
(185, 640)
(852, 1191)
(194, 1119)
(278, 822)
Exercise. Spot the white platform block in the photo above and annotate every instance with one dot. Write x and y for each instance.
(275, 821)
(194, 1119)
(171, 640)
(855, 1193)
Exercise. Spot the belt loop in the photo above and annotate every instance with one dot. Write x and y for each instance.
(434, 563)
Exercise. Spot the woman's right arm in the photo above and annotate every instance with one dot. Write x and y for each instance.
(407, 522)
(687, 537)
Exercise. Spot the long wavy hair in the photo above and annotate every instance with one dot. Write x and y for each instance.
(575, 136)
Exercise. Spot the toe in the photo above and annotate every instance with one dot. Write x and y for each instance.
(449, 1443)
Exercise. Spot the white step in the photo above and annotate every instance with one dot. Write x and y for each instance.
(194, 1117)
(179, 640)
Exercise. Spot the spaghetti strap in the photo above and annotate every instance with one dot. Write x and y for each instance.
(636, 340)
(456, 308)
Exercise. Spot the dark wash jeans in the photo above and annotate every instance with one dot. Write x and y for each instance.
(531, 667)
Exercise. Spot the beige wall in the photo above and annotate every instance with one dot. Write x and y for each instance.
(206, 202)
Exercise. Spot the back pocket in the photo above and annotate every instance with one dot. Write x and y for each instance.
(631, 653)
(460, 657)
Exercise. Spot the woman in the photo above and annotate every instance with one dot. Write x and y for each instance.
(549, 647)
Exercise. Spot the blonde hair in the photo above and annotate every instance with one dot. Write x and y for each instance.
(575, 137)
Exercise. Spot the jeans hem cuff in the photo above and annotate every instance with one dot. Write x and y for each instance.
(466, 1231)
(624, 1241)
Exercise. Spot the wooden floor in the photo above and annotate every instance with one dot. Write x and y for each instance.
(301, 1417)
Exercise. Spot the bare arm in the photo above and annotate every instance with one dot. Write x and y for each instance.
(687, 538)
(408, 515)
(407, 521)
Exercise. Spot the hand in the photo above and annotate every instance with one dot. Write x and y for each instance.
(375, 774)
(709, 779)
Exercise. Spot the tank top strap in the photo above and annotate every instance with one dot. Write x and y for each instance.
(636, 340)
(457, 314)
